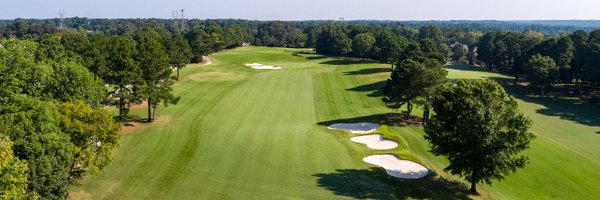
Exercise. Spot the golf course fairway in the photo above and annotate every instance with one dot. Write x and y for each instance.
(241, 133)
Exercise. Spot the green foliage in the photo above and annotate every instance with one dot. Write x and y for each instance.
(402, 86)
(71, 81)
(280, 34)
(50, 48)
(478, 128)
(93, 133)
(332, 40)
(31, 124)
(362, 45)
(388, 47)
(125, 72)
(178, 50)
(237, 34)
(541, 71)
(459, 53)
(13, 172)
(506, 51)
(156, 70)
(432, 32)
(200, 42)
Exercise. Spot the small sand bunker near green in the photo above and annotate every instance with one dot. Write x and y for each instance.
(261, 66)
(358, 128)
(216, 76)
(375, 141)
(397, 167)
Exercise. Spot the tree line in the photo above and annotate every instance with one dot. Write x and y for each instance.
(569, 59)
(53, 127)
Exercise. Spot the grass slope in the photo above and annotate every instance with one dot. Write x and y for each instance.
(239, 133)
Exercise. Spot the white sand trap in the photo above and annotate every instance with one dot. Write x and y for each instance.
(363, 127)
(397, 167)
(260, 66)
(375, 141)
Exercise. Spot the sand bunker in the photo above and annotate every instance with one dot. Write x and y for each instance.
(260, 66)
(375, 141)
(363, 127)
(397, 167)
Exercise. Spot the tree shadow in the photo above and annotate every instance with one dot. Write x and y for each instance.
(389, 119)
(316, 57)
(572, 109)
(368, 71)
(374, 183)
(465, 67)
(346, 61)
(371, 87)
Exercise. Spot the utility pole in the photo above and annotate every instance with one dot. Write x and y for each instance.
(182, 21)
(61, 13)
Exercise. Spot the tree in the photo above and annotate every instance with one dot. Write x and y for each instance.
(459, 53)
(125, 72)
(333, 41)
(579, 39)
(431, 50)
(403, 86)
(362, 44)
(156, 71)
(50, 48)
(591, 68)
(541, 71)
(432, 78)
(280, 34)
(432, 32)
(200, 43)
(93, 133)
(478, 128)
(178, 51)
(31, 124)
(13, 172)
(70, 81)
(388, 47)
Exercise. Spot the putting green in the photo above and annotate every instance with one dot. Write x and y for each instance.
(240, 133)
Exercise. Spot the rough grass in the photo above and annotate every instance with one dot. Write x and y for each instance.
(264, 136)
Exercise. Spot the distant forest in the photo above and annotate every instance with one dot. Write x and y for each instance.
(548, 27)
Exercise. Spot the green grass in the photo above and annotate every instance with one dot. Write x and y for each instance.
(565, 157)
(239, 133)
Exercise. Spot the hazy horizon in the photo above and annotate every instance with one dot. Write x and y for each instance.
(409, 10)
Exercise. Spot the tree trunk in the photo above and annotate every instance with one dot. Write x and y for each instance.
(149, 111)
(425, 115)
(153, 113)
(473, 189)
(542, 91)
(177, 73)
(408, 110)
(121, 108)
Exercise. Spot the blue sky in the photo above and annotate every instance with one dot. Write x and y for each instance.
(309, 9)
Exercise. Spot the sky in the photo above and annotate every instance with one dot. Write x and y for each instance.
(309, 9)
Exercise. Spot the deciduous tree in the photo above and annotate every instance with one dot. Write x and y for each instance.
(478, 128)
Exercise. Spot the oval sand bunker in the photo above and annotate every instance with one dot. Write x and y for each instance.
(363, 127)
(375, 141)
(397, 167)
(260, 66)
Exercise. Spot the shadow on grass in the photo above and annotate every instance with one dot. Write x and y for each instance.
(572, 109)
(389, 119)
(368, 71)
(346, 61)
(371, 87)
(129, 120)
(465, 67)
(374, 183)
(316, 57)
